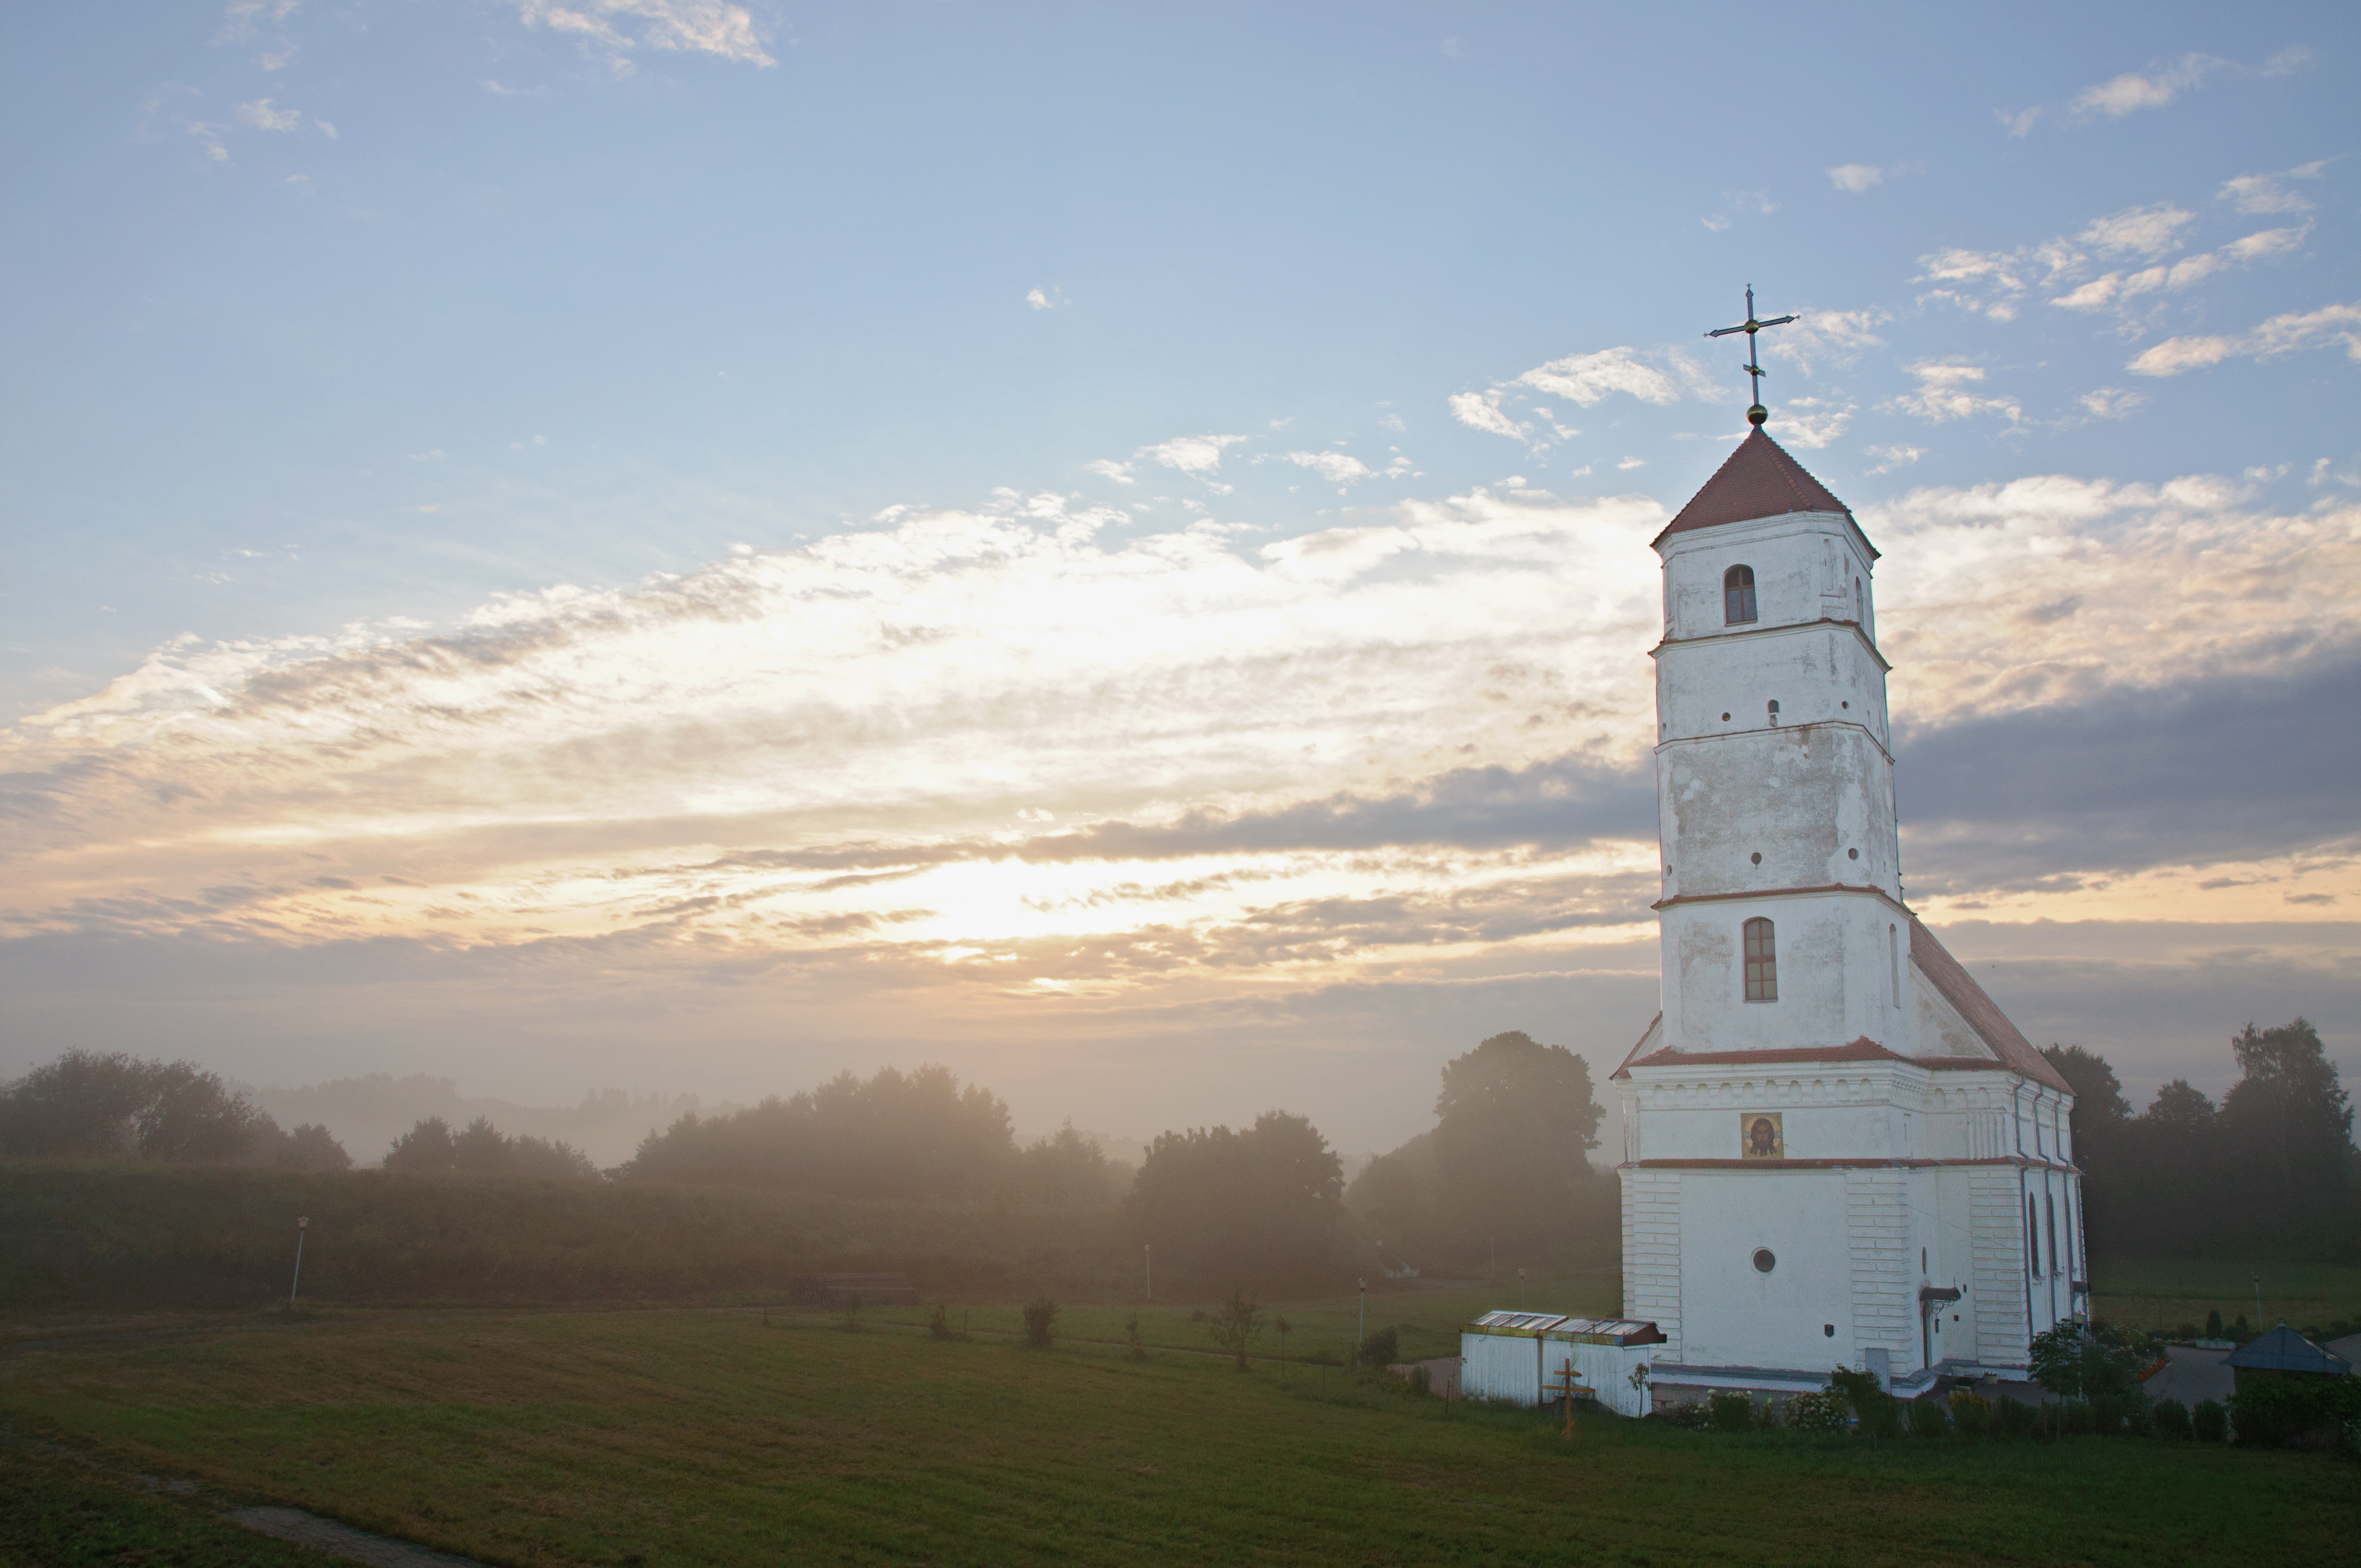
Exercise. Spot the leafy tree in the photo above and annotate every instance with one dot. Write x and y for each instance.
(2074, 1364)
(482, 1149)
(2288, 1116)
(86, 1105)
(311, 1146)
(895, 1135)
(1514, 1121)
(426, 1146)
(2100, 1108)
(1067, 1167)
(1040, 1318)
(1262, 1204)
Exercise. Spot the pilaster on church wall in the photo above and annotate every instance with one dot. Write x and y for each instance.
(1877, 1221)
(1652, 1253)
(2003, 1337)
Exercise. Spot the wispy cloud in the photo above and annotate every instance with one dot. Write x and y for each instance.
(262, 116)
(2331, 326)
(1949, 390)
(618, 27)
(1996, 283)
(2271, 192)
(1858, 178)
(2153, 88)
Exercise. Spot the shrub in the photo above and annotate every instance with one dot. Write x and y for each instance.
(2278, 1412)
(1040, 1313)
(2074, 1417)
(2213, 1324)
(1420, 1380)
(1824, 1410)
(1732, 1410)
(1871, 1405)
(2014, 1417)
(1133, 1345)
(1972, 1413)
(1689, 1416)
(1928, 1418)
(2171, 1420)
(2212, 1421)
(1236, 1325)
(1380, 1349)
(938, 1322)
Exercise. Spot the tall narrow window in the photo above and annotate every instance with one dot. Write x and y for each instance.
(2032, 1237)
(1893, 966)
(2049, 1208)
(1860, 609)
(2070, 1228)
(1738, 595)
(1761, 963)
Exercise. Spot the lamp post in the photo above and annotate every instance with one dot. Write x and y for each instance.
(300, 1226)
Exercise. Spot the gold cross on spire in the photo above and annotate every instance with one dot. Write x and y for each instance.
(1749, 326)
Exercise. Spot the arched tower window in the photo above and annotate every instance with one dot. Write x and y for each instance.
(1738, 595)
(1761, 962)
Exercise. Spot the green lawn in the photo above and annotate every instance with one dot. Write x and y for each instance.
(2163, 1293)
(709, 1437)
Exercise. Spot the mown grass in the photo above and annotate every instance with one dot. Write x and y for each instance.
(55, 1513)
(2161, 1294)
(711, 1437)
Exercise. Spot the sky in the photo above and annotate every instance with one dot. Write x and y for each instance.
(687, 546)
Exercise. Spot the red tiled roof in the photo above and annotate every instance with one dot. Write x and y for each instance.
(1983, 1014)
(1758, 480)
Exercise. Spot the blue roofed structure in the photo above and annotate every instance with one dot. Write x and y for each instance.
(2283, 1350)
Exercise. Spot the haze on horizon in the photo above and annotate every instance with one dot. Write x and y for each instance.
(685, 547)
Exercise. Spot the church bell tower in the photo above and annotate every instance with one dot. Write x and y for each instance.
(1837, 1149)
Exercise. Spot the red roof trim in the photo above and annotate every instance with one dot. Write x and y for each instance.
(1959, 988)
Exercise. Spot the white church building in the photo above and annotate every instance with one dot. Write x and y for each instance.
(1835, 1149)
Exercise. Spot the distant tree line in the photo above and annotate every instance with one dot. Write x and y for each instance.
(87, 1106)
(2273, 1164)
(1504, 1178)
(481, 1149)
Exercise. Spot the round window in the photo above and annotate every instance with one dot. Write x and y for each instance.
(1764, 1262)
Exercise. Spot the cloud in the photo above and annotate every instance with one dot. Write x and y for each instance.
(1809, 421)
(1336, 468)
(263, 118)
(1199, 456)
(1108, 467)
(2330, 326)
(2151, 89)
(1995, 283)
(888, 782)
(1481, 411)
(1949, 391)
(2110, 402)
(618, 27)
(1858, 178)
(1889, 459)
(2270, 192)
(1590, 379)
(1045, 299)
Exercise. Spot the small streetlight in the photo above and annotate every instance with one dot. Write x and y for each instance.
(300, 1226)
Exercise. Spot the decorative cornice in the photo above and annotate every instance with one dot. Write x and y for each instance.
(1783, 627)
(1851, 1162)
(1781, 729)
(1877, 892)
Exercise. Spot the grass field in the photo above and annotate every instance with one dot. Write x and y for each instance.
(713, 1437)
(2163, 1293)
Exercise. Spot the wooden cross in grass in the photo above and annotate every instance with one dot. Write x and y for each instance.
(1563, 1386)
